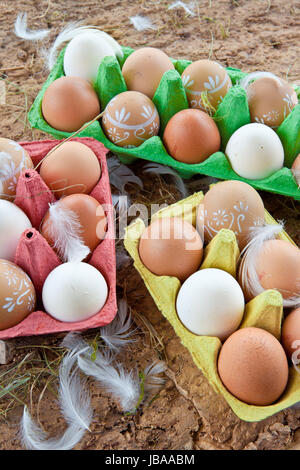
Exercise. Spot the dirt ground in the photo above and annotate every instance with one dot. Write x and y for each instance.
(248, 34)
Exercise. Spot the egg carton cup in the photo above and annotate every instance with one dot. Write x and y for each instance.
(35, 256)
(264, 311)
(170, 98)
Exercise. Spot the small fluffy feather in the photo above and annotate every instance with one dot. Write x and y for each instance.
(248, 275)
(118, 334)
(158, 169)
(23, 32)
(245, 82)
(72, 30)
(120, 175)
(141, 23)
(188, 8)
(75, 407)
(122, 258)
(65, 230)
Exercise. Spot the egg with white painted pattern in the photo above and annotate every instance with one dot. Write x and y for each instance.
(206, 83)
(17, 295)
(233, 205)
(130, 119)
(13, 159)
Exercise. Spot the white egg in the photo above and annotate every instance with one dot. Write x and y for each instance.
(13, 222)
(211, 303)
(255, 151)
(74, 292)
(85, 51)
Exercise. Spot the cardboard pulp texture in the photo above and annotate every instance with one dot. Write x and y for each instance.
(264, 311)
(170, 98)
(36, 257)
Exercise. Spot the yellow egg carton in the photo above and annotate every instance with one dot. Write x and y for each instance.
(264, 311)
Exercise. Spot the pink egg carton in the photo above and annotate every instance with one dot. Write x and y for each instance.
(37, 258)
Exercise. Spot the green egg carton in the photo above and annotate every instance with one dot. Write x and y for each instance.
(170, 98)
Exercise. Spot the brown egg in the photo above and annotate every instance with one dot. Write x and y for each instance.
(296, 169)
(270, 100)
(278, 267)
(129, 119)
(144, 68)
(91, 216)
(70, 102)
(191, 136)
(171, 247)
(205, 78)
(253, 367)
(17, 295)
(13, 159)
(232, 205)
(290, 333)
(72, 164)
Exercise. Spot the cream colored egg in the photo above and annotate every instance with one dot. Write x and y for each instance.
(74, 292)
(13, 222)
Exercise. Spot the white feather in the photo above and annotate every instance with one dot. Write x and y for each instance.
(120, 175)
(245, 82)
(118, 334)
(122, 385)
(122, 258)
(65, 230)
(188, 8)
(141, 23)
(152, 381)
(74, 29)
(75, 407)
(158, 169)
(296, 174)
(247, 270)
(23, 32)
(121, 202)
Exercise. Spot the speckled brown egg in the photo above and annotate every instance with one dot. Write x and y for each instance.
(70, 102)
(278, 267)
(290, 333)
(253, 366)
(171, 246)
(144, 68)
(17, 295)
(13, 159)
(91, 217)
(270, 100)
(130, 118)
(233, 205)
(205, 81)
(191, 136)
(72, 168)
